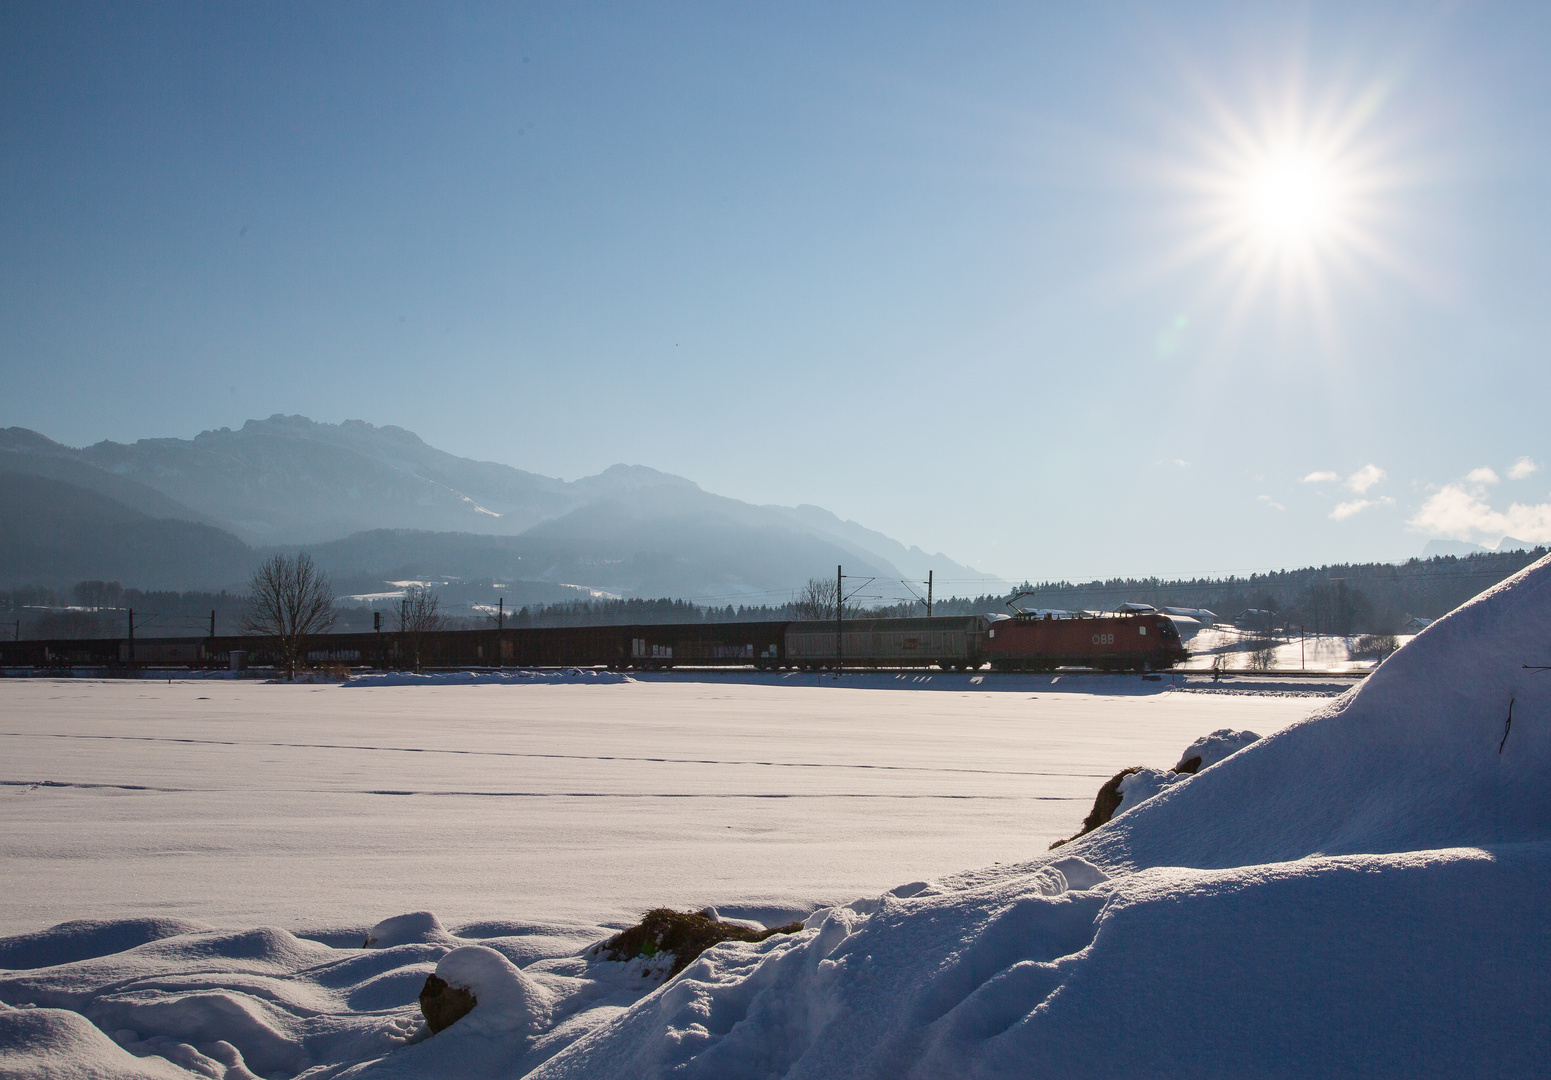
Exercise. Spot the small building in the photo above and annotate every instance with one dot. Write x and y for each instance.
(1415, 625)
(1199, 614)
(1255, 619)
(1136, 609)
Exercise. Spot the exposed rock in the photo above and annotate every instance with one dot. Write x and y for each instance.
(444, 1005)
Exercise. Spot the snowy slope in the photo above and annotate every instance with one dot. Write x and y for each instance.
(1409, 761)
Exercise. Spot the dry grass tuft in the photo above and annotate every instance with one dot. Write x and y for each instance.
(1104, 806)
(685, 934)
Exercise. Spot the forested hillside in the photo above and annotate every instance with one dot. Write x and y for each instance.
(1346, 598)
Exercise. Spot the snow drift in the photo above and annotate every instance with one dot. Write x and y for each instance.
(1362, 894)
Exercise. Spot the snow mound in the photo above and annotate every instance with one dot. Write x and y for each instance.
(583, 676)
(506, 999)
(39, 1043)
(1144, 783)
(266, 1003)
(1208, 750)
(416, 928)
(86, 939)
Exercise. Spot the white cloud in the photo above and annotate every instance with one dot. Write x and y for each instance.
(1523, 469)
(1272, 503)
(1364, 478)
(1181, 462)
(1321, 478)
(1357, 506)
(1460, 512)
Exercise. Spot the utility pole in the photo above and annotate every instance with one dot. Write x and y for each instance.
(840, 597)
(1303, 660)
(403, 626)
(500, 624)
(131, 635)
(212, 622)
(928, 594)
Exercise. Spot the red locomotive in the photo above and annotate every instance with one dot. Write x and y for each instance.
(1033, 642)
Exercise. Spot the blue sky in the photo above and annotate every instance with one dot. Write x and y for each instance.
(1005, 282)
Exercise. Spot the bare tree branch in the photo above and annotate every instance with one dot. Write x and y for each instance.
(815, 600)
(289, 600)
(419, 614)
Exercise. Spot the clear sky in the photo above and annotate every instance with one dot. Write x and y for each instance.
(1058, 289)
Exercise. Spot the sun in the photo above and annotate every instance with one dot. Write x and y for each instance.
(1286, 207)
(1290, 198)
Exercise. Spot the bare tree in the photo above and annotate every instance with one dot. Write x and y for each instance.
(419, 614)
(1262, 653)
(289, 600)
(1374, 646)
(815, 600)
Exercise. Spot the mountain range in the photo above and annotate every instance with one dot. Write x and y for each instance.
(379, 504)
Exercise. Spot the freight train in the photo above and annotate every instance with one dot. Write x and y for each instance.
(1022, 642)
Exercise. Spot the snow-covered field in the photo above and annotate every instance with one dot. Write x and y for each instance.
(1315, 652)
(1365, 892)
(309, 807)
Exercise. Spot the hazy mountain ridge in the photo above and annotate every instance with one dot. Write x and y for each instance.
(379, 500)
(912, 561)
(53, 531)
(288, 480)
(27, 452)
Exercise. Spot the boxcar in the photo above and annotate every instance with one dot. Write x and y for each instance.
(954, 643)
(750, 644)
(1107, 642)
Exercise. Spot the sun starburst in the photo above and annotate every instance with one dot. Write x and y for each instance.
(1285, 198)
